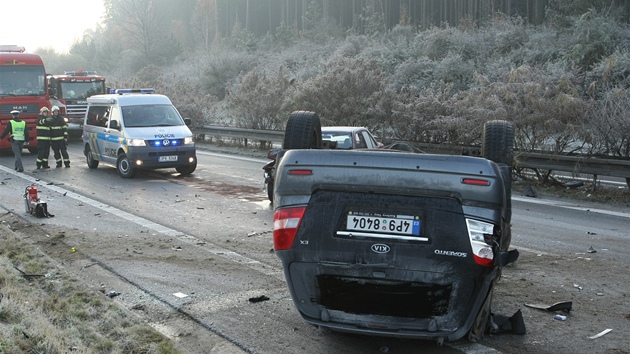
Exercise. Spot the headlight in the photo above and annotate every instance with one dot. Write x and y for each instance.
(136, 142)
(188, 140)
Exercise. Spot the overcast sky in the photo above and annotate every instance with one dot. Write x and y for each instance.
(45, 23)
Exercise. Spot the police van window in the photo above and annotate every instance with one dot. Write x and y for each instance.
(151, 116)
(98, 116)
(114, 115)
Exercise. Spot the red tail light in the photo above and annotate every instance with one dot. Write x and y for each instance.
(285, 225)
(480, 233)
(476, 181)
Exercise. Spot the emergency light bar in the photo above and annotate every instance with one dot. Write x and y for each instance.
(12, 49)
(80, 73)
(122, 91)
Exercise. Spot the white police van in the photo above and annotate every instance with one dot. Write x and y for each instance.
(137, 129)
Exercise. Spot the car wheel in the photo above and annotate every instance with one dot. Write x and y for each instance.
(303, 131)
(498, 146)
(187, 169)
(32, 150)
(270, 190)
(124, 166)
(91, 162)
(498, 142)
(482, 321)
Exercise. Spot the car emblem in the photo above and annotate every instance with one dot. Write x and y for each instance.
(380, 248)
(166, 142)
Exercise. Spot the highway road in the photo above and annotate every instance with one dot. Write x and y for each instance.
(194, 250)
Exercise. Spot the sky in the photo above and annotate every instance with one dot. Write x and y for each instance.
(51, 24)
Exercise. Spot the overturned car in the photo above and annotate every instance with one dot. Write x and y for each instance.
(393, 243)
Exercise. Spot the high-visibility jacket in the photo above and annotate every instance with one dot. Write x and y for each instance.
(18, 130)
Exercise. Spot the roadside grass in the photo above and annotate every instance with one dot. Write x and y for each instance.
(43, 310)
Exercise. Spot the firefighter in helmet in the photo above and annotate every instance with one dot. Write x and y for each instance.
(59, 138)
(43, 138)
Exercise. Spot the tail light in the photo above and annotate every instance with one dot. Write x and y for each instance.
(285, 225)
(480, 233)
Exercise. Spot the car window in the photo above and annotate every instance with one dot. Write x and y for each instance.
(359, 141)
(98, 116)
(369, 140)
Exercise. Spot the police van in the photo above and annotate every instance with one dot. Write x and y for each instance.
(136, 129)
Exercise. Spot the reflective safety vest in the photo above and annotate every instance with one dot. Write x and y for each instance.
(17, 130)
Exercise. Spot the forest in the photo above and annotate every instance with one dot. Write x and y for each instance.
(419, 71)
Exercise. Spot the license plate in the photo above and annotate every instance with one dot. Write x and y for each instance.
(381, 223)
(167, 158)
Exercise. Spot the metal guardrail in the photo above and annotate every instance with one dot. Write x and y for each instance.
(574, 164)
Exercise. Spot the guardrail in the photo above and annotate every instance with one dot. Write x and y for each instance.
(574, 164)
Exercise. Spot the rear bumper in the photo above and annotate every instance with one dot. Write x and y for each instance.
(388, 302)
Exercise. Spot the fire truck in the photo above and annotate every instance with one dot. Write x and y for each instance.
(22, 88)
(70, 91)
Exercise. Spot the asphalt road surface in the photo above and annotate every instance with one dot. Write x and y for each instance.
(195, 253)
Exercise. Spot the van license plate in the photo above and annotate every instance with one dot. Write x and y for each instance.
(167, 158)
(392, 224)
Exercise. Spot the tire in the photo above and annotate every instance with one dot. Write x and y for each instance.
(187, 169)
(303, 131)
(498, 142)
(124, 166)
(270, 190)
(91, 162)
(32, 150)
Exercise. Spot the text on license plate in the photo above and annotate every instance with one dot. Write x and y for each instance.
(167, 158)
(393, 224)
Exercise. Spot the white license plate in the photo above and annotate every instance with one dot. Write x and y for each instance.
(390, 224)
(167, 158)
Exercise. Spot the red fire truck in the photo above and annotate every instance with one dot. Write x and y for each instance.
(22, 88)
(70, 91)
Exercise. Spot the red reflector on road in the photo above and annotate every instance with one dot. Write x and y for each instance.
(301, 172)
(476, 182)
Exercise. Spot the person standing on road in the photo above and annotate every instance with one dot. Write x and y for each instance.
(43, 138)
(18, 136)
(59, 138)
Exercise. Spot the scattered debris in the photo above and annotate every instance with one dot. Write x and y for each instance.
(137, 307)
(578, 286)
(137, 252)
(28, 275)
(558, 306)
(574, 184)
(180, 295)
(178, 248)
(560, 317)
(591, 250)
(258, 299)
(504, 324)
(602, 333)
(528, 191)
(112, 294)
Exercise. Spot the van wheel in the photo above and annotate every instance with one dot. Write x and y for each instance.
(303, 131)
(124, 166)
(91, 162)
(187, 169)
(270, 189)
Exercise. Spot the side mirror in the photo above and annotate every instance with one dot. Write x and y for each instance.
(114, 125)
(188, 121)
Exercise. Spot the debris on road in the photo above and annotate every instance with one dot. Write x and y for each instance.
(560, 317)
(558, 306)
(112, 294)
(602, 333)
(180, 295)
(258, 299)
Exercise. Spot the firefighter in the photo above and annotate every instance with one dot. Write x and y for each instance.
(43, 138)
(59, 138)
(18, 136)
